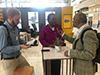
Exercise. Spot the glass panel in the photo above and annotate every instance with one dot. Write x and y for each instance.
(37, 4)
(33, 19)
(99, 16)
(3, 5)
(15, 4)
(9, 5)
(8, 0)
(20, 25)
(46, 15)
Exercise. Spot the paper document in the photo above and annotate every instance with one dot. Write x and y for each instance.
(30, 42)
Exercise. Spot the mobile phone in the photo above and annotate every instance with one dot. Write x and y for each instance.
(46, 50)
(58, 30)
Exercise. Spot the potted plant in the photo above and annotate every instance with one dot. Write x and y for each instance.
(58, 42)
(34, 31)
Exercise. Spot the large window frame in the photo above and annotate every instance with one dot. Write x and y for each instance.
(33, 18)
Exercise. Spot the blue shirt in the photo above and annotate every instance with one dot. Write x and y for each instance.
(8, 49)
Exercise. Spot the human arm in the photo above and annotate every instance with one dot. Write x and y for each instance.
(4, 46)
(24, 46)
(59, 29)
(66, 37)
(42, 38)
(87, 50)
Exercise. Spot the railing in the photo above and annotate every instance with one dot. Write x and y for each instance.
(67, 64)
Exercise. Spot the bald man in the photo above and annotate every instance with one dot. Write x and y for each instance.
(83, 53)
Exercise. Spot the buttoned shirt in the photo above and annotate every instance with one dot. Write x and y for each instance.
(48, 35)
(10, 47)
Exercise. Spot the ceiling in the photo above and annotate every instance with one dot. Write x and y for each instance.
(87, 3)
(28, 1)
(34, 3)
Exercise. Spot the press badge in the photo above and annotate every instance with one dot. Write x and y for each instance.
(16, 38)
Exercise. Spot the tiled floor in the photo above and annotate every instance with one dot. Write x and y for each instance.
(75, 31)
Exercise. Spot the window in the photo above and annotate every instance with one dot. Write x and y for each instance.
(82, 1)
(96, 9)
(32, 3)
(99, 16)
(46, 15)
(33, 19)
(20, 25)
(73, 0)
(15, 4)
(9, 5)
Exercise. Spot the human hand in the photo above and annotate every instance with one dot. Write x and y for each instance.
(24, 46)
(52, 45)
(28, 45)
(66, 53)
(61, 32)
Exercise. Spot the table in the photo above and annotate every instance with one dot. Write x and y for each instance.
(34, 57)
(52, 55)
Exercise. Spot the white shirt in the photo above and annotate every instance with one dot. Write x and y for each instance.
(79, 30)
(53, 28)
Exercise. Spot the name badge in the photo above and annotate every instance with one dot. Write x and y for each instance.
(16, 38)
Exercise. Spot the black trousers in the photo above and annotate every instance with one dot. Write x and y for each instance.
(55, 67)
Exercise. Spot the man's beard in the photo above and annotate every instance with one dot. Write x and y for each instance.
(13, 23)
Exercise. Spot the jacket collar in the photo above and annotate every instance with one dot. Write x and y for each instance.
(83, 30)
(79, 36)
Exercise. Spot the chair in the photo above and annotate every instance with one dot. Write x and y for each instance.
(24, 70)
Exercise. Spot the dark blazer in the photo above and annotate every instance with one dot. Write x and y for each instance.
(83, 54)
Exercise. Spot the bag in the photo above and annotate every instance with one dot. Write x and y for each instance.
(8, 37)
(97, 58)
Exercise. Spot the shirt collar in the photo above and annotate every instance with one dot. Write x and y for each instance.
(53, 28)
(81, 28)
(8, 25)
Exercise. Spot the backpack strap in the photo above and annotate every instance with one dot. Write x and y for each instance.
(7, 29)
(83, 33)
(82, 36)
(8, 37)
